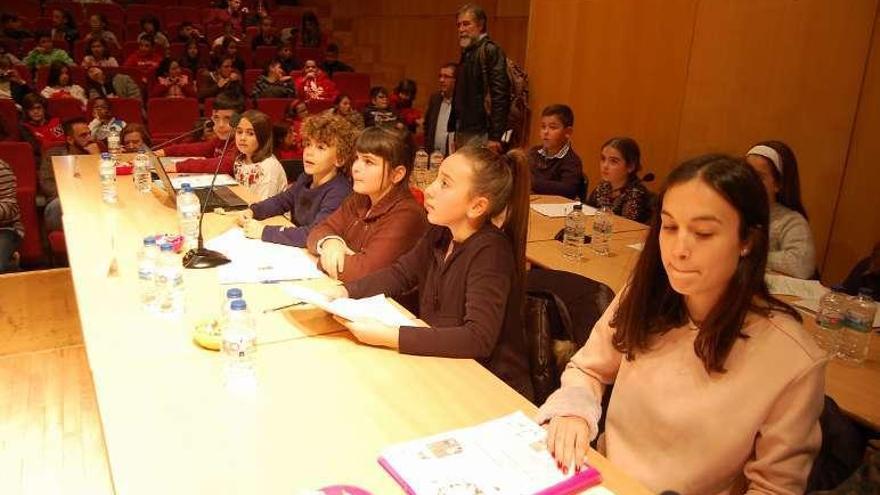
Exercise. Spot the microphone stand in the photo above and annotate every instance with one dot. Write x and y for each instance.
(201, 257)
(207, 126)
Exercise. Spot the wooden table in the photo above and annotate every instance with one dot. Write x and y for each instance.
(323, 405)
(543, 228)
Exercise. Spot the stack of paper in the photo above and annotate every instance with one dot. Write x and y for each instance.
(558, 210)
(256, 261)
(369, 308)
(202, 181)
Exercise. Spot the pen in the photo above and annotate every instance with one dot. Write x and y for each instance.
(298, 303)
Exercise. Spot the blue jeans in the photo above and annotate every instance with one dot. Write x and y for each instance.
(9, 241)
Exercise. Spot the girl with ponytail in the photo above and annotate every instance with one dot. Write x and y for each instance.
(468, 268)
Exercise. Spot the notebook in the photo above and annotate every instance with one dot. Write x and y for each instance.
(505, 455)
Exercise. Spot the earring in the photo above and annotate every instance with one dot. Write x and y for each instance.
(744, 252)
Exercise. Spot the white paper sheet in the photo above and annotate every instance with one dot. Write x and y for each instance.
(256, 261)
(558, 210)
(782, 285)
(637, 246)
(202, 181)
(377, 307)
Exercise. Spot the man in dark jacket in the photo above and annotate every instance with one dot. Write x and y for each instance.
(482, 71)
(439, 110)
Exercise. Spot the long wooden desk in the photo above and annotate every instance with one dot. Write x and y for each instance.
(322, 408)
(855, 388)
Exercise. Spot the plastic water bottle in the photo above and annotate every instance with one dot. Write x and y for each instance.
(857, 327)
(602, 227)
(420, 169)
(113, 141)
(573, 236)
(107, 171)
(169, 282)
(147, 259)
(231, 295)
(188, 211)
(142, 172)
(239, 342)
(830, 317)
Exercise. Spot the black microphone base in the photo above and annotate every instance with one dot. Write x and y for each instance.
(203, 258)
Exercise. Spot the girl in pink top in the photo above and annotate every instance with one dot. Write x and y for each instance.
(717, 386)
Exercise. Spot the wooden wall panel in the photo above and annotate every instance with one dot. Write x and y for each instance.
(620, 65)
(788, 70)
(857, 219)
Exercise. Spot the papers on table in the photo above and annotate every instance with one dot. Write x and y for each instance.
(256, 261)
(637, 246)
(377, 307)
(505, 455)
(782, 285)
(202, 181)
(557, 210)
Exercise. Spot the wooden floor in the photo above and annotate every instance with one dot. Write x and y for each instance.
(50, 432)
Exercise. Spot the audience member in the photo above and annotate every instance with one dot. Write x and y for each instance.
(45, 53)
(556, 168)
(135, 137)
(285, 142)
(620, 188)
(150, 27)
(12, 86)
(11, 228)
(37, 127)
(223, 79)
(288, 61)
(119, 86)
(97, 54)
(310, 35)
(77, 141)
(146, 57)
(193, 59)
(274, 83)
(379, 112)
(314, 84)
(98, 31)
(342, 106)
(60, 85)
(104, 122)
(63, 27)
(439, 107)
(401, 102)
(791, 242)
(13, 28)
(267, 36)
(187, 32)
(172, 82)
(331, 63)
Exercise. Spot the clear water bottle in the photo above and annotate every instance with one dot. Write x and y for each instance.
(142, 172)
(573, 236)
(188, 212)
(113, 141)
(239, 342)
(169, 282)
(436, 160)
(231, 295)
(829, 318)
(147, 259)
(107, 171)
(602, 227)
(857, 327)
(420, 169)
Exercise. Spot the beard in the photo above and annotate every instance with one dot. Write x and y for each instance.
(465, 41)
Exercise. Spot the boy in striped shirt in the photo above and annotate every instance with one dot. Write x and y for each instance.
(11, 229)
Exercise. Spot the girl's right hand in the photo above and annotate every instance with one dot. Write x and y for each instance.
(568, 439)
(244, 216)
(335, 292)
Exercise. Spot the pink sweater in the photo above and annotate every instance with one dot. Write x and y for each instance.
(673, 426)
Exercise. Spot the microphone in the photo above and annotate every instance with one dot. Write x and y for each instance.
(209, 124)
(201, 257)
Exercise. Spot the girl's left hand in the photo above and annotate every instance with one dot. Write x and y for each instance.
(372, 332)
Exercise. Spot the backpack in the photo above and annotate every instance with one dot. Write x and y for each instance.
(518, 115)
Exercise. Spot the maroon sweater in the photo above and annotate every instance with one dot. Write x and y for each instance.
(378, 235)
(471, 300)
(210, 150)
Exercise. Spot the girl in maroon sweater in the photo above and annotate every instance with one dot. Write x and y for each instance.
(468, 270)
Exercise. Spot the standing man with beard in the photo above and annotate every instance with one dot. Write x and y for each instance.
(482, 71)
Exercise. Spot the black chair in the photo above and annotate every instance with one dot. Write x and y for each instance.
(561, 309)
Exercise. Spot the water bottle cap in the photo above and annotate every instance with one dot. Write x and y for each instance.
(238, 305)
(578, 207)
(186, 187)
(166, 247)
(233, 293)
(105, 155)
(149, 240)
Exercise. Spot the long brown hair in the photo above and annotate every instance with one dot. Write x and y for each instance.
(650, 307)
(263, 131)
(505, 180)
(394, 146)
